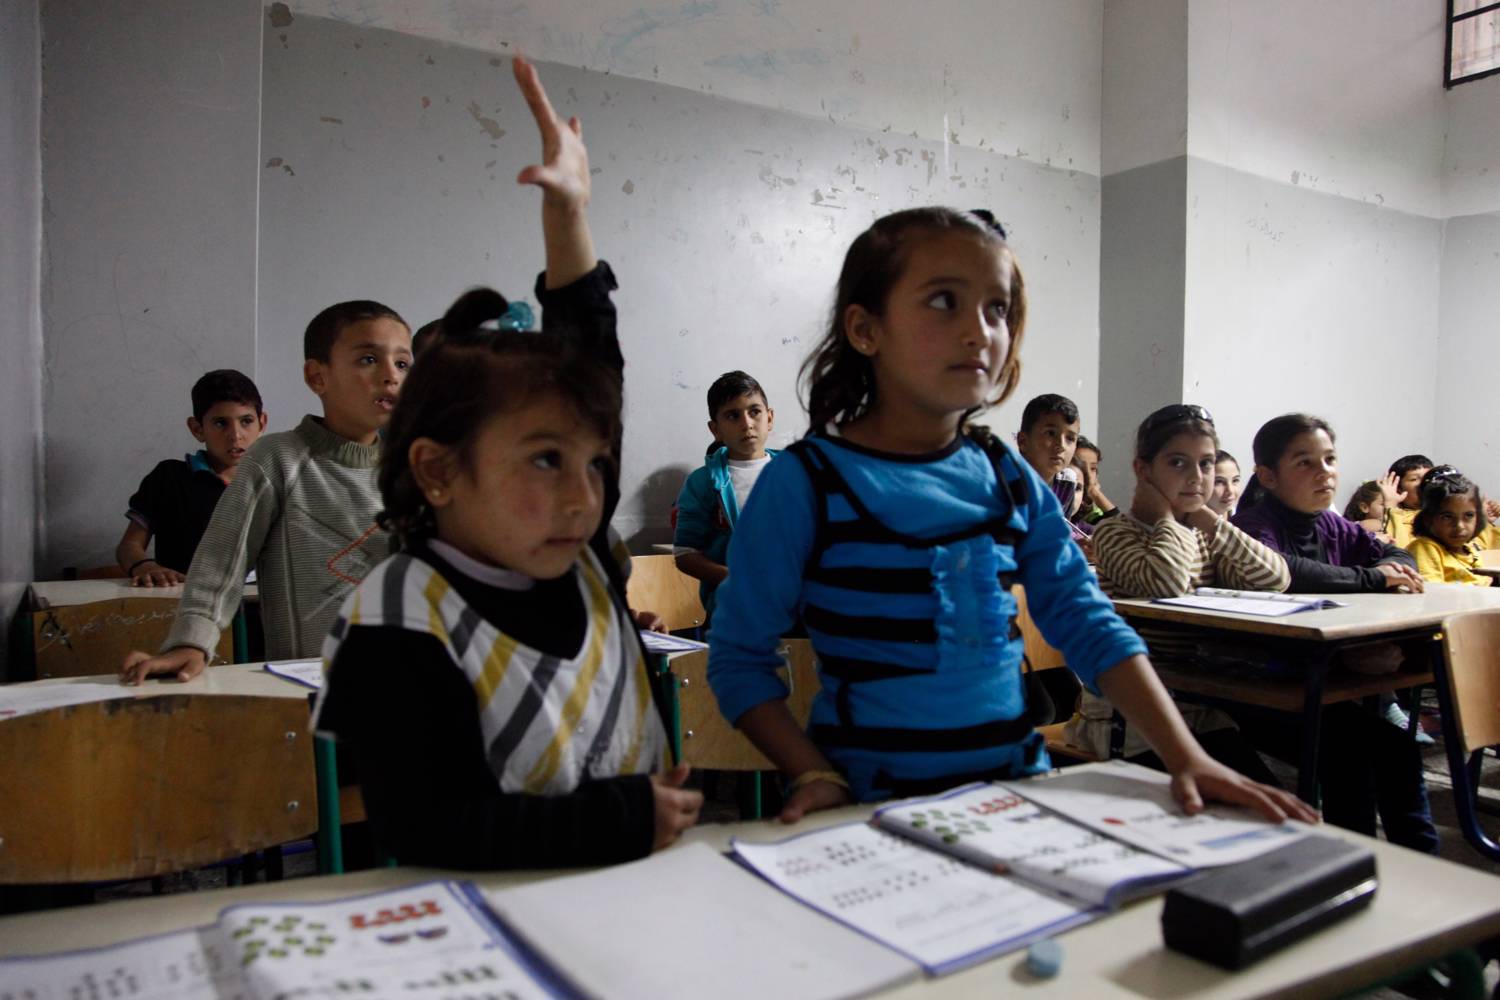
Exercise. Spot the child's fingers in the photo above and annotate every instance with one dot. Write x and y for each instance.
(576, 126)
(1185, 790)
(675, 777)
(532, 91)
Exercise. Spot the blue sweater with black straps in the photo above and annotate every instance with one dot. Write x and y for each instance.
(901, 575)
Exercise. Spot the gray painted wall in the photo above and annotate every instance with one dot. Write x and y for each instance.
(20, 295)
(1466, 433)
(149, 165)
(1301, 300)
(387, 171)
(1141, 287)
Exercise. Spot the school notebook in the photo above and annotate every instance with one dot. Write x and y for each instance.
(1250, 602)
(308, 673)
(984, 869)
(423, 942)
(690, 923)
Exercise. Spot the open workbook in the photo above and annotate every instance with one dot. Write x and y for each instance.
(988, 868)
(1265, 603)
(429, 940)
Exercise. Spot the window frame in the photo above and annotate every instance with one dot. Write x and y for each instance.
(1451, 22)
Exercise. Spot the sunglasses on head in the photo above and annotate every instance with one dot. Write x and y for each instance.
(1174, 413)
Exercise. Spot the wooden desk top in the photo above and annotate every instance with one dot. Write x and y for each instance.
(1425, 908)
(67, 593)
(1367, 615)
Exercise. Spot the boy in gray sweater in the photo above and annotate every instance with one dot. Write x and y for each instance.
(302, 506)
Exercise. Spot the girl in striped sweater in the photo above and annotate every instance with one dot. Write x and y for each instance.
(489, 678)
(1169, 543)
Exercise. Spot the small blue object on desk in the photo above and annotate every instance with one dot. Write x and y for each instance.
(1044, 959)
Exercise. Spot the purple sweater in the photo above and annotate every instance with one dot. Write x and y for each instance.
(1325, 553)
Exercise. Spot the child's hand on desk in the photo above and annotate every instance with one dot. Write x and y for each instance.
(1399, 576)
(810, 792)
(1206, 778)
(186, 662)
(153, 574)
(563, 174)
(676, 807)
(650, 621)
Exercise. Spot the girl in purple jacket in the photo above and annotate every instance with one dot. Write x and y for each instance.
(1364, 764)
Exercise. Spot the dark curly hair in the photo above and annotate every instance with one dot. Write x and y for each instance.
(468, 374)
(838, 381)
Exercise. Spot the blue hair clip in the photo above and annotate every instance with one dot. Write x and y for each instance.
(518, 318)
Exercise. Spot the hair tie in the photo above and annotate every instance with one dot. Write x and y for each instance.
(518, 318)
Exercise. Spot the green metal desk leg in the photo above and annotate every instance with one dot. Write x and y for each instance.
(330, 830)
(241, 637)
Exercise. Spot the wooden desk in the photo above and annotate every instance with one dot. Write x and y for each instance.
(69, 627)
(1312, 638)
(1426, 908)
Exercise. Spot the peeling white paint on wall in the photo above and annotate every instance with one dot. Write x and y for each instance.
(1016, 76)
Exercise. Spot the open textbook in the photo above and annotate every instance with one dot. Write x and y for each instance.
(1250, 602)
(433, 940)
(988, 868)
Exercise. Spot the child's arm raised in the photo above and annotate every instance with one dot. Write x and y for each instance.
(563, 176)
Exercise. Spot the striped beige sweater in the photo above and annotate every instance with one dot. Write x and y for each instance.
(1168, 559)
(301, 509)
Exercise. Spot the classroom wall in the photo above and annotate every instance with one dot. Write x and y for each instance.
(20, 294)
(1470, 303)
(387, 170)
(1011, 76)
(149, 162)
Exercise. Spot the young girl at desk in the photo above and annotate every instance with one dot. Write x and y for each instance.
(1365, 764)
(894, 531)
(1450, 530)
(489, 677)
(1169, 543)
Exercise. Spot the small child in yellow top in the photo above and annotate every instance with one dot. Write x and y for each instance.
(1402, 487)
(1446, 531)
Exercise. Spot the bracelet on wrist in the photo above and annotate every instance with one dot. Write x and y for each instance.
(138, 562)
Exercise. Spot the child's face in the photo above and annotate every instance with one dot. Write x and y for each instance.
(942, 340)
(1456, 521)
(532, 493)
(1375, 509)
(1049, 445)
(1411, 485)
(1088, 458)
(743, 425)
(1226, 488)
(1307, 475)
(359, 382)
(226, 431)
(1183, 470)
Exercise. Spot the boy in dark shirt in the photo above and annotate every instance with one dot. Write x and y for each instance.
(177, 498)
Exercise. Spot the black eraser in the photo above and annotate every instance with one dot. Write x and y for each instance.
(1234, 915)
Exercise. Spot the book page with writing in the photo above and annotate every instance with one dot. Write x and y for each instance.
(941, 912)
(308, 673)
(432, 940)
(1134, 804)
(183, 965)
(998, 830)
(690, 923)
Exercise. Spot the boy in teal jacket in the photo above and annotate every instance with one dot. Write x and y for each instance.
(740, 419)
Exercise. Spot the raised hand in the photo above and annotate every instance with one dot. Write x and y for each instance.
(1390, 488)
(563, 174)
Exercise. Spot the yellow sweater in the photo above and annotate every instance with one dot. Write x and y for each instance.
(1436, 562)
(1398, 524)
